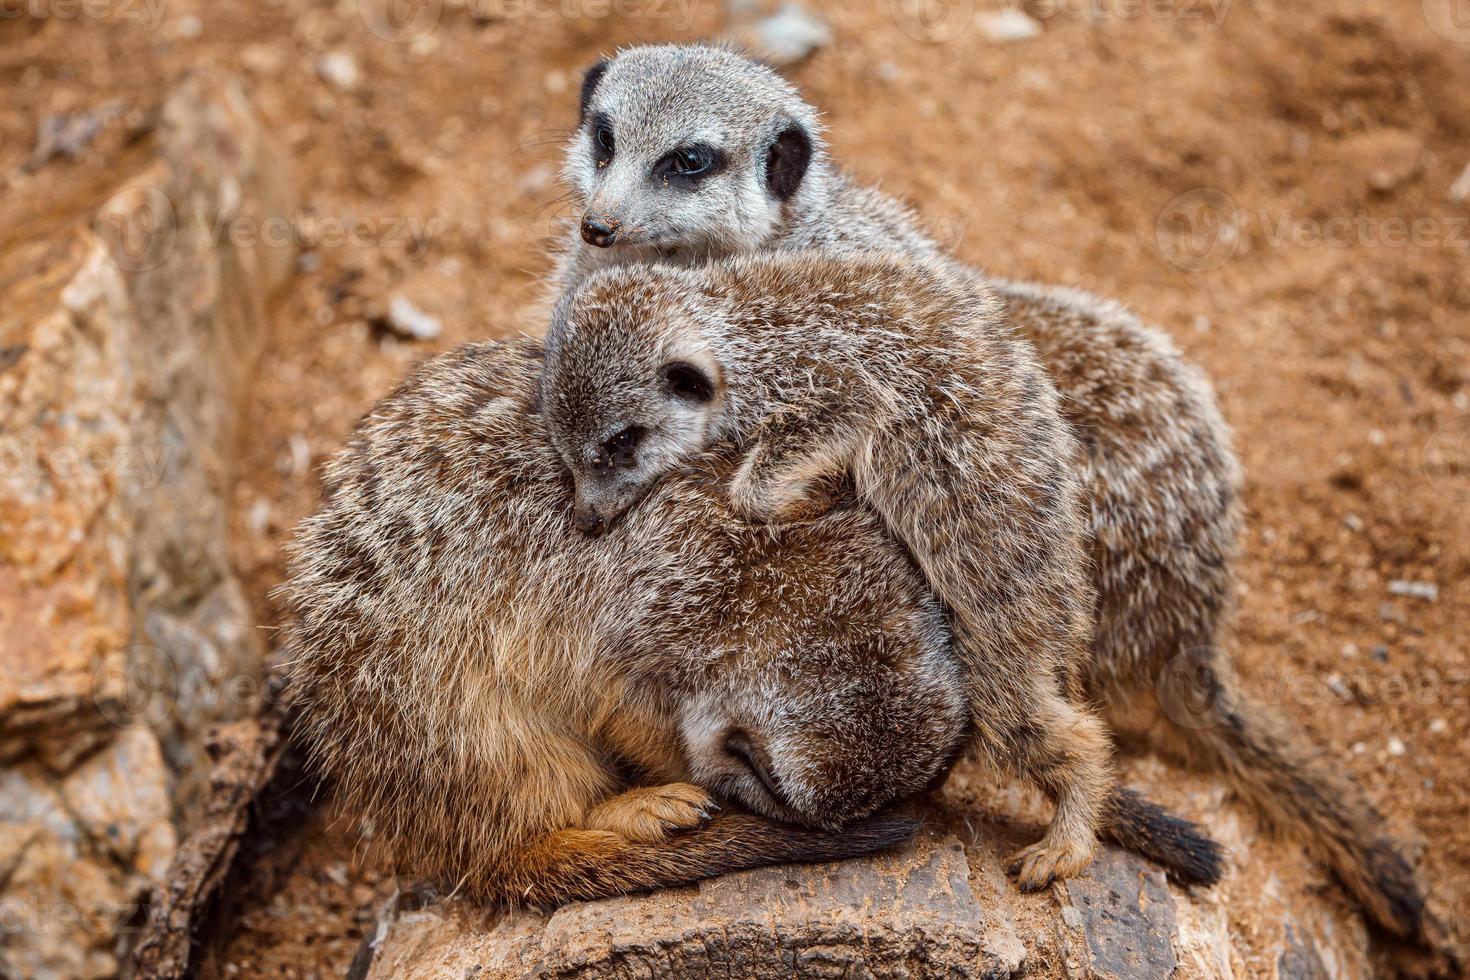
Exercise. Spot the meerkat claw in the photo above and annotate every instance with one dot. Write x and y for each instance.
(1040, 864)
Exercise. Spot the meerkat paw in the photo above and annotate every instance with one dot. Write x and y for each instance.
(1039, 865)
(649, 814)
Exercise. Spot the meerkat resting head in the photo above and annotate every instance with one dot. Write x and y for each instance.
(655, 398)
(688, 146)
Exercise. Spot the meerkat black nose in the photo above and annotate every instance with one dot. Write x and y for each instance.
(589, 522)
(599, 232)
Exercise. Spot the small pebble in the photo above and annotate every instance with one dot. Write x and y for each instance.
(1349, 650)
(339, 68)
(1359, 748)
(1008, 25)
(409, 321)
(1396, 746)
(1353, 522)
(1460, 189)
(1428, 591)
(1439, 726)
(788, 36)
(1379, 654)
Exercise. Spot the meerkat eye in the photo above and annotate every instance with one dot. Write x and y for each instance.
(689, 164)
(688, 382)
(604, 138)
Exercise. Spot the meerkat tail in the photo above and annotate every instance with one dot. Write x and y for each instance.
(580, 865)
(1185, 851)
(1282, 776)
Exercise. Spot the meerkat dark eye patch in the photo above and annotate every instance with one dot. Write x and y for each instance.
(603, 144)
(787, 160)
(688, 165)
(619, 450)
(688, 382)
(589, 85)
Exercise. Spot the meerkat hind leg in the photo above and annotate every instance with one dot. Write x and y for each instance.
(1065, 754)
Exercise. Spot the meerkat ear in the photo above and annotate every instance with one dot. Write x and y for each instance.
(589, 85)
(787, 160)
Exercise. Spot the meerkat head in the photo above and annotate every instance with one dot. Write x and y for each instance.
(689, 147)
(631, 388)
(825, 736)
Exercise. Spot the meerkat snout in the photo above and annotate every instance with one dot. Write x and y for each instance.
(602, 232)
(603, 491)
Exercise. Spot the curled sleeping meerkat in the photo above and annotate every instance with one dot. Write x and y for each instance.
(483, 682)
(901, 374)
(687, 153)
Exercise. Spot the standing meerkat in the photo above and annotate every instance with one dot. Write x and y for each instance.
(688, 153)
(478, 678)
(903, 375)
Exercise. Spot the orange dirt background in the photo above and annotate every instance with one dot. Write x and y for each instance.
(1343, 365)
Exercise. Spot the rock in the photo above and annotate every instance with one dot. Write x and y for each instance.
(1385, 157)
(910, 913)
(1122, 920)
(125, 634)
(410, 322)
(936, 908)
(789, 36)
(67, 134)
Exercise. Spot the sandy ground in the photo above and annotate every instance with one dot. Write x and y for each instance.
(1272, 185)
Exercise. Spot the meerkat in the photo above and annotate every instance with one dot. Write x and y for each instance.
(524, 713)
(688, 153)
(480, 681)
(900, 374)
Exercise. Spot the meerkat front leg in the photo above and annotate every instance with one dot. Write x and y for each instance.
(790, 452)
(648, 814)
